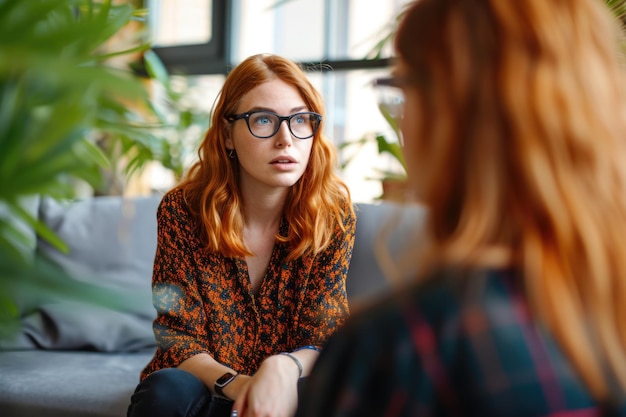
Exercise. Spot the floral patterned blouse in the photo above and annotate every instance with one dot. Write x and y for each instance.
(205, 302)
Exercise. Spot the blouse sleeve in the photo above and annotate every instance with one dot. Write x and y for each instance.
(179, 328)
(324, 303)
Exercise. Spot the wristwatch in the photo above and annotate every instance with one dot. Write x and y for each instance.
(222, 381)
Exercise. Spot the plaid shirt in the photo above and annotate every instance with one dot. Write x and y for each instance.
(462, 343)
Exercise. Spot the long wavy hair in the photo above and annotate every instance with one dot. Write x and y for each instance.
(314, 205)
(521, 158)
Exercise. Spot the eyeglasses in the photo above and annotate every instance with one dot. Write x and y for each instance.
(390, 96)
(264, 124)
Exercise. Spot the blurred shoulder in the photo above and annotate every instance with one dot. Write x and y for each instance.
(444, 288)
(440, 299)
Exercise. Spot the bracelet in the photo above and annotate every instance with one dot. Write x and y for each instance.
(296, 360)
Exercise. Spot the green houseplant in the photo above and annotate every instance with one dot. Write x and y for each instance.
(388, 144)
(393, 180)
(180, 122)
(58, 92)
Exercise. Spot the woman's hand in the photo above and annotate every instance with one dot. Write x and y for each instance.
(271, 392)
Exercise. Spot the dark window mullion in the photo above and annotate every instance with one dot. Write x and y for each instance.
(207, 58)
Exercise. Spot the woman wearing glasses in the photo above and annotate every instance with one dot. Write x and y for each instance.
(252, 255)
(514, 130)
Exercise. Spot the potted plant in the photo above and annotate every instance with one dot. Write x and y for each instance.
(180, 122)
(58, 92)
(394, 179)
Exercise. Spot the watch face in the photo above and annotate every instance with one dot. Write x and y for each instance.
(224, 379)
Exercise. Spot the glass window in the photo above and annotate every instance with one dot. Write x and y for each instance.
(171, 24)
(189, 36)
(351, 115)
(311, 30)
(330, 30)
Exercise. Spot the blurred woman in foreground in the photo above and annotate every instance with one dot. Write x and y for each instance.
(515, 137)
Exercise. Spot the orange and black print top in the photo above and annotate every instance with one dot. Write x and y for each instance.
(205, 302)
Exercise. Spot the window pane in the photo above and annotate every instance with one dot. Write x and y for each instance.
(173, 22)
(351, 114)
(312, 30)
(322, 30)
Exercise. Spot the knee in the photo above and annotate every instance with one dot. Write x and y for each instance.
(172, 383)
(170, 391)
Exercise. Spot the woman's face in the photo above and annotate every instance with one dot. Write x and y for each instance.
(280, 160)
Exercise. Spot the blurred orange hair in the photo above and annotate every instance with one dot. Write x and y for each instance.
(521, 157)
(314, 205)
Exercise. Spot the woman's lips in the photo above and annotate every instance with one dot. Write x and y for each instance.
(285, 163)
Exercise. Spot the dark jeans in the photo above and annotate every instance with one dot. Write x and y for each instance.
(173, 392)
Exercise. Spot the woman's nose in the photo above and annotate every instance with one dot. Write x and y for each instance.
(283, 136)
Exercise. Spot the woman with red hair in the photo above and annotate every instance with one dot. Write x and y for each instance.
(252, 256)
(514, 130)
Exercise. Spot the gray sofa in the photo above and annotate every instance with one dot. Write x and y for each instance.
(73, 358)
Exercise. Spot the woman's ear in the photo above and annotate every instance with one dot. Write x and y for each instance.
(229, 134)
(229, 143)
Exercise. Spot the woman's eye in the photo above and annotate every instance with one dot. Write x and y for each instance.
(262, 119)
(298, 119)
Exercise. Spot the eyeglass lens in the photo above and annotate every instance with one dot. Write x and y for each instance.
(391, 100)
(266, 124)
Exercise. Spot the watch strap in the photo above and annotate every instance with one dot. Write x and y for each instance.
(221, 383)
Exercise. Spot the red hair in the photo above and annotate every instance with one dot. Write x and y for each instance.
(313, 206)
(520, 157)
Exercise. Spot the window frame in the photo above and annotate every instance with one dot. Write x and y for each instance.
(212, 58)
(201, 59)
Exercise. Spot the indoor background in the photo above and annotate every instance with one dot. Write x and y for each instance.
(343, 43)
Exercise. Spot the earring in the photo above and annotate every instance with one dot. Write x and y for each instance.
(231, 154)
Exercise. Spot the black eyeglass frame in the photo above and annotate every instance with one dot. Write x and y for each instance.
(393, 81)
(246, 116)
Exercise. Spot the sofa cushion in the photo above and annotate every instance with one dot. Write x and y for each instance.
(112, 242)
(68, 384)
(384, 232)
